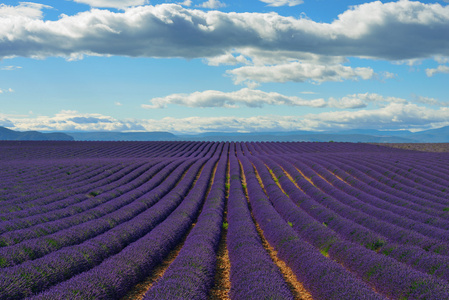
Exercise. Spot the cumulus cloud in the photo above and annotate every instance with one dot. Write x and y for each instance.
(10, 68)
(227, 59)
(283, 2)
(113, 3)
(258, 98)
(298, 72)
(212, 4)
(68, 120)
(248, 97)
(391, 116)
(430, 101)
(439, 69)
(186, 3)
(10, 90)
(5, 122)
(393, 31)
(24, 9)
(363, 100)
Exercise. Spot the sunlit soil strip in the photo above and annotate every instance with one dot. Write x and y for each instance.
(258, 179)
(276, 180)
(291, 178)
(139, 291)
(296, 287)
(305, 177)
(222, 284)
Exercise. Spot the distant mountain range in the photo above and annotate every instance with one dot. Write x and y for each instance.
(440, 135)
(123, 136)
(8, 134)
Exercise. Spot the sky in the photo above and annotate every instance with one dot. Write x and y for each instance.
(223, 65)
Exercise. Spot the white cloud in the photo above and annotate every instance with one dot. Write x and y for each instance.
(212, 4)
(24, 9)
(186, 3)
(73, 121)
(362, 100)
(393, 31)
(430, 101)
(245, 96)
(227, 59)
(10, 68)
(10, 90)
(439, 69)
(258, 98)
(392, 116)
(113, 3)
(441, 59)
(118, 103)
(283, 2)
(299, 72)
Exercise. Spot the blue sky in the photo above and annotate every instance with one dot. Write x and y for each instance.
(196, 66)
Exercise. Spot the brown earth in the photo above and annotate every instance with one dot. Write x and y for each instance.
(424, 147)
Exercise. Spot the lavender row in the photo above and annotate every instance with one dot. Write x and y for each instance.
(18, 189)
(406, 208)
(431, 166)
(427, 185)
(40, 175)
(418, 186)
(195, 263)
(385, 274)
(345, 206)
(382, 210)
(129, 181)
(37, 275)
(415, 257)
(120, 210)
(253, 273)
(324, 278)
(33, 207)
(115, 276)
(58, 150)
(425, 201)
(112, 185)
(422, 168)
(98, 169)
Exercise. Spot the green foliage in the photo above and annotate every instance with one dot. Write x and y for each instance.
(290, 224)
(225, 225)
(376, 245)
(52, 242)
(2, 262)
(94, 193)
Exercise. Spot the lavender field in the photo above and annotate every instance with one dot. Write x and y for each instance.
(210, 220)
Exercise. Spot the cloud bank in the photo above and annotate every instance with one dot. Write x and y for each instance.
(439, 69)
(113, 3)
(282, 2)
(299, 72)
(248, 97)
(258, 98)
(391, 116)
(392, 31)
